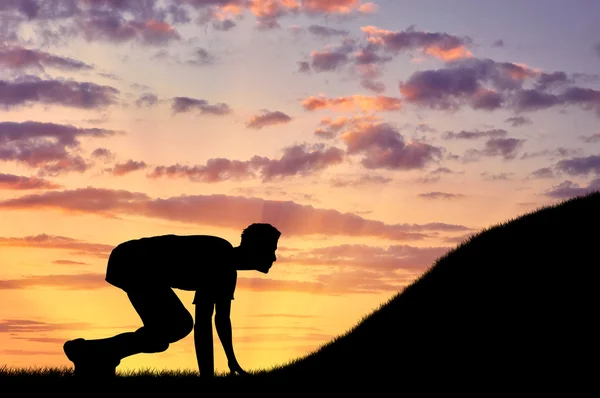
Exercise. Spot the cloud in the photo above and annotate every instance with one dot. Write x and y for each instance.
(580, 166)
(351, 103)
(31, 90)
(13, 182)
(222, 211)
(470, 135)
(552, 154)
(130, 166)
(384, 148)
(332, 58)
(102, 153)
(440, 195)
(185, 104)
(68, 262)
(303, 67)
(496, 176)
(498, 43)
(458, 239)
(147, 100)
(44, 241)
(267, 118)
(440, 45)
(18, 57)
(201, 58)
(507, 148)
(329, 128)
(591, 138)
(376, 87)
(569, 189)
(324, 31)
(517, 121)
(49, 147)
(31, 326)
(365, 179)
(544, 172)
(596, 48)
(300, 159)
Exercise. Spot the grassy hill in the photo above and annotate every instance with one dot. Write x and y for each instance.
(516, 302)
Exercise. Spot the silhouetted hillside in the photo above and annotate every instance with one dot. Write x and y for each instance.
(517, 301)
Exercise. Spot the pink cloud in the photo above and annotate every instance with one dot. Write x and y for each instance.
(13, 182)
(268, 119)
(130, 166)
(351, 103)
(223, 211)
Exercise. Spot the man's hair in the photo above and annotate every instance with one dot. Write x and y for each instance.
(259, 233)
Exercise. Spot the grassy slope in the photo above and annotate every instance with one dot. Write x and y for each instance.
(518, 300)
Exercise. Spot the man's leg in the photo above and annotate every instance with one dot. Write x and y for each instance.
(165, 321)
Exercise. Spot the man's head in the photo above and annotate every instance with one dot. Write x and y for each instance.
(259, 243)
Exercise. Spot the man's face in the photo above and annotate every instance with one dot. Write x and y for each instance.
(264, 257)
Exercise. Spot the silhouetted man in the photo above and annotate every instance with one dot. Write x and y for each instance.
(148, 269)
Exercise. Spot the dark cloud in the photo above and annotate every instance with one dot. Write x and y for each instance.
(440, 195)
(47, 146)
(224, 25)
(267, 118)
(18, 57)
(384, 148)
(147, 100)
(470, 135)
(569, 189)
(17, 183)
(303, 67)
(130, 166)
(43, 241)
(590, 139)
(376, 87)
(498, 43)
(517, 121)
(596, 48)
(201, 58)
(580, 166)
(185, 104)
(545, 172)
(236, 212)
(69, 93)
(102, 153)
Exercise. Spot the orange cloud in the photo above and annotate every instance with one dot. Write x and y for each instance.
(43, 241)
(354, 102)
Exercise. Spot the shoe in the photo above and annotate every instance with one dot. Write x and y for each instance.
(87, 363)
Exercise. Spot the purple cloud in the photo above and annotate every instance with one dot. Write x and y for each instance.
(384, 147)
(324, 31)
(147, 100)
(470, 135)
(569, 189)
(186, 104)
(517, 121)
(545, 172)
(267, 118)
(130, 166)
(440, 195)
(580, 166)
(47, 146)
(13, 182)
(17, 57)
(69, 93)
(590, 139)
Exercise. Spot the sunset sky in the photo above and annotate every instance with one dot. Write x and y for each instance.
(374, 135)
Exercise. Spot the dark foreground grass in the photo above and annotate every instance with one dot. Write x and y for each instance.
(514, 306)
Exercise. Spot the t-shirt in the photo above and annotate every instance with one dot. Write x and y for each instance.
(200, 263)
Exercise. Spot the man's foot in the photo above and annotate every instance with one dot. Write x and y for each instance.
(89, 363)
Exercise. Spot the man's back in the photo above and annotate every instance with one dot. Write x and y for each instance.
(188, 262)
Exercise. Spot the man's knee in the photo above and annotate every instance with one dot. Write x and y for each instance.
(180, 327)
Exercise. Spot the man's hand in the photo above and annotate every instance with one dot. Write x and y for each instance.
(235, 367)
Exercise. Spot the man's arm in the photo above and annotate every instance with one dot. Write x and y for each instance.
(203, 338)
(223, 326)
